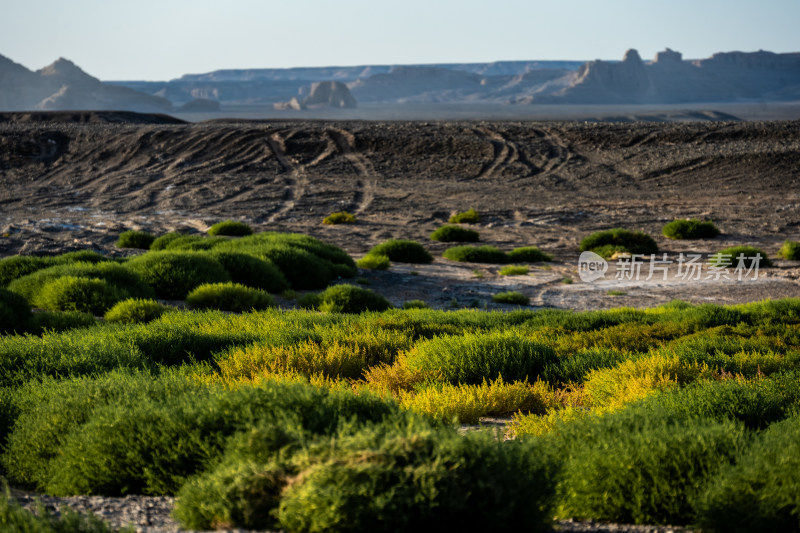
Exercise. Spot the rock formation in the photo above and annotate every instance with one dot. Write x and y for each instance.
(64, 86)
(321, 94)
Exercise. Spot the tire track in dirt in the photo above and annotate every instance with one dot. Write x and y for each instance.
(506, 153)
(367, 185)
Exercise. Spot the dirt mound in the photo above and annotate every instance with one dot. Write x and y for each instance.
(88, 117)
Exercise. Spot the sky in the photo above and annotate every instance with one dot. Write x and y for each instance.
(164, 39)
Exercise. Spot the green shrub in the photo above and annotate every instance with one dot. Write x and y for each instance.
(511, 297)
(341, 217)
(86, 295)
(252, 271)
(56, 321)
(229, 297)
(528, 254)
(472, 358)
(634, 242)
(351, 299)
(374, 262)
(412, 480)
(174, 274)
(135, 311)
(789, 250)
(469, 217)
(416, 304)
(80, 256)
(730, 256)
(16, 519)
(514, 270)
(135, 239)
(17, 266)
(476, 254)
(690, 229)
(302, 269)
(608, 251)
(161, 243)
(231, 228)
(455, 234)
(135, 434)
(575, 368)
(119, 276)
(403, 251)
(628, 468)
(194, 243)
(760, 492)
(15, 312)
(310, 300)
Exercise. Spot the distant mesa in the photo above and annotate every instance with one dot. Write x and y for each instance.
(321, 95)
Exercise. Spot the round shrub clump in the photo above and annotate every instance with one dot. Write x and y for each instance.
(173, 274)
(229, 297)
(690, 228)
(161, 243)
(511, 297)
(635, 242)
(351, 299)
(79, 256)
(87, 295)
(514, 270)
(342, 217)
(466, 217)
(135, 239)
(15, 312)
(455, 234)
(17, 266)
(403, 251)
(252, 271)
(135, 311)
(790, 250)
(302, 269)
(374, 262)
(231, 228)
(528, 254)
(476, 254)
(730, 257)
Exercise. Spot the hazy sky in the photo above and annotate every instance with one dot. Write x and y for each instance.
(163, 39)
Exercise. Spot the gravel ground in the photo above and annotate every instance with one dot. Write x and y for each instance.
(152, 514)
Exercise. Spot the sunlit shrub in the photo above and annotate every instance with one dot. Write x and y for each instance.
(465, 217)
(514, 270)
(528, 254)
(634, 242)
(341, 217)
(351, 299)
(135, 311)
(690, 228)
(789, 250)
(403, 251)
(730, 257)
(511, 297)
(374, 262)
(252, 271)
(135, 239)
(476, 254)
(87, 295)
(231, 228)
(228, 297)
(174, 274)
(455, 234)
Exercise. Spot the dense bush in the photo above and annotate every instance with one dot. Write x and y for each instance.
(119, 276)
(135, 239)
(789, 250)
(690, 229)
(228, 297)
(511, 297)
(634, 242)
(161, 243)
(629, 468)
(455, 234)
(415, 480)
(416, 304)
(15, 312)
(55, 321)
(194, 243)
(760, 492)
(730, 257)
(17, 266)
(469, 217)
(230, 228)
(173, 274)
(528, 254)
(341, 217)
(86, 295)
(252, 271)
(476, 254)
(302, 269)
(473, 357)
(135, 311)
(135, 434)
(514, 270)
(374, 262)
(351, 299)
(403, 251)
